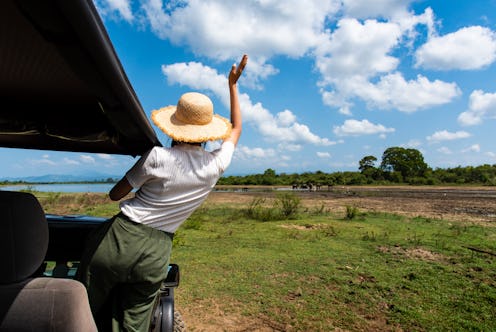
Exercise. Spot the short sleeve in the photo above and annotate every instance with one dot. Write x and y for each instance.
(142, 169)
(224, 155)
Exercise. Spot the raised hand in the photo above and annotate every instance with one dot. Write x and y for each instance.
(236, 71)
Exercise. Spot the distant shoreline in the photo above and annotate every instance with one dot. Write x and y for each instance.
(24, 183)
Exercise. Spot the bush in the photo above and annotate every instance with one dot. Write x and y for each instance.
(351, 212)
(289, 204)
(285, 206)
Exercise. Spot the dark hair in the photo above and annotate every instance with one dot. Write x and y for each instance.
(174, 143)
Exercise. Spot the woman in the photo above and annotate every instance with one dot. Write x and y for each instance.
(127, 261)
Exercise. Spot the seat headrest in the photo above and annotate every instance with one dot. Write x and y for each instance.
(23, 235)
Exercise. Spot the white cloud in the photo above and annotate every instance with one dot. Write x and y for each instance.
(43, 161)
(413, 143)
(122, 7)
(445, 135)
(197, 76)
(222, 30)
(490, 154)
(472, 148)
(377, 8)
(347, 57)
(468, 48)
(282, 127)
(358, 49)
(356, 62)
(69, 161)
(105, 156)
(244, 152)
(444, 150)
(290, 147)
(359, 128)
(394, 92)
(87, 159)
(323, 155)
(481, 106)
(285, 118)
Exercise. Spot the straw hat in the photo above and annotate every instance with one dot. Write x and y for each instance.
(192, 120)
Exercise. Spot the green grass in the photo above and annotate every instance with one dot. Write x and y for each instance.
(315, 271)
(319, 272)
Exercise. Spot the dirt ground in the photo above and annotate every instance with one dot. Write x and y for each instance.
(473, 204)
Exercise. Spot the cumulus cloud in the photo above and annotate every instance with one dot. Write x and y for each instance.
(245, 152)
(392, 91)
(472, 148)
(356, 48)
(468, 48)
(357, 62)
(355, 53)
(378, 8)
(223, 30)
(122, 7)
(444, 150)
(285, 118)
(413, 143)
(445, 135)
(490, 154)
(45, 160)
(323, 155)
(280, 127)
(87, 159)
(69, 161)
(289, 147)
(105, 156)
(481, 106)
(359, 128)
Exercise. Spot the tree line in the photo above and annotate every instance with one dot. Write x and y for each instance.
(398, 166)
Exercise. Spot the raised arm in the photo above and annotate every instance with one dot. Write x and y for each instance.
(236, 119)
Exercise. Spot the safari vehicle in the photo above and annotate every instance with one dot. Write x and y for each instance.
(62, 88)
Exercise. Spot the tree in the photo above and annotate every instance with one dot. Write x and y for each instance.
(408, 162)
(366, 163)
(269, 177)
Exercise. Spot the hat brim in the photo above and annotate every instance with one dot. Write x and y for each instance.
(218, 129)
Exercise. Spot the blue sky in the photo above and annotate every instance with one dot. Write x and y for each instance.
(328, 82)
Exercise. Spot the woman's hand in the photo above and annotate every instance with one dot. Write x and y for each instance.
(236, 72)
(236, 121)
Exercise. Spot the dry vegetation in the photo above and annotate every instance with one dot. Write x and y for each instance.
(473, 204)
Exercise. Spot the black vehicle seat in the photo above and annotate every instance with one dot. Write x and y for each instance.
(27, 302)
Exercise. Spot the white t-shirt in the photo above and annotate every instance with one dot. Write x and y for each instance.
(173, 182)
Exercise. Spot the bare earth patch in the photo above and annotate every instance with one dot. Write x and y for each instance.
(413, 253)
(210, 316)
(472, 204)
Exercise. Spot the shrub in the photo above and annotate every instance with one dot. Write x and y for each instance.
(284, 207)
(289, 204)
(351, 212)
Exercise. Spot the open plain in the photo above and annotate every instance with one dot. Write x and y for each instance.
(474, 204)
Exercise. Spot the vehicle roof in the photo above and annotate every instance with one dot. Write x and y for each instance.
(62, 85)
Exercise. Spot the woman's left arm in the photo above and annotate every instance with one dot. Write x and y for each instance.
(121, 189)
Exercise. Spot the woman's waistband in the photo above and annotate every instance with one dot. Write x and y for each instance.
(123, 216)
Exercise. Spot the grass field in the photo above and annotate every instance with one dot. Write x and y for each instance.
(249, 266)
(321, 272)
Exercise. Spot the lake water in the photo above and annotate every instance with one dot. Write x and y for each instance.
(101, 188)
(65, 188)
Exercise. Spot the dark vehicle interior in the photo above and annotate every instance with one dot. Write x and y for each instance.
(64, 89)
(62, 84)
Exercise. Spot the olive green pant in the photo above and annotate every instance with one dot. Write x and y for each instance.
(123, 267)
